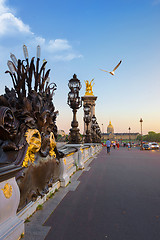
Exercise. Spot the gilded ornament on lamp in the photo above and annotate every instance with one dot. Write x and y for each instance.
(52, 145)
(65, 161)
(89, 85)
(7, 190)
(33, 139)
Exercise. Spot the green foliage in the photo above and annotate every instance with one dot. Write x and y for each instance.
(76, 166)
(50, 195)
(22, 235)
(139, 137)
(150, 137)
(61, 138)
(39, 207)
(27, 220)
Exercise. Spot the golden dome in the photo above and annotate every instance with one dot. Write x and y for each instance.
(110, 128)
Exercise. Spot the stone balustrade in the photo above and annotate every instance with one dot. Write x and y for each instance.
(75, 157)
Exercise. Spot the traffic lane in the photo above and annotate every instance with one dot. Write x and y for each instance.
(117, 199)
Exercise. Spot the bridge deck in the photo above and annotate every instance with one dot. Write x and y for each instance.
(118, 198)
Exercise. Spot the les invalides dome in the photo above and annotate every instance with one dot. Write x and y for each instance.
(110, 128)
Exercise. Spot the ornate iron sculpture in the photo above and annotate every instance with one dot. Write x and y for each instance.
(28, 105)
(28, 126)
(87, 119)
(75, 103)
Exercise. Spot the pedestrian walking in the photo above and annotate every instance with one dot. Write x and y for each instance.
(114, 145)
(117, 145)
(108, 145)
(129, 146)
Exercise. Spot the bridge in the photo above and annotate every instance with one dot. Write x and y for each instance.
(115, 197)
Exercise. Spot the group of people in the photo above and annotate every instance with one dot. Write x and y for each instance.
(109, 145)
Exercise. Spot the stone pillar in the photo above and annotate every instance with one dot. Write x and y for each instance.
(90, 100)
(11, 227)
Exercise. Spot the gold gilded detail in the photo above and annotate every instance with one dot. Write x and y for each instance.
(70, 154)
(7, 190)
(89, 86)
(70, 166)
(65, 161)
(33, 139)
(81, 149)
(52, 145)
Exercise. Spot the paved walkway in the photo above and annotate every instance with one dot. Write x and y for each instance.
(118, 198)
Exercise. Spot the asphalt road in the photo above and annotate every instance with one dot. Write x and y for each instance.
(117, 199)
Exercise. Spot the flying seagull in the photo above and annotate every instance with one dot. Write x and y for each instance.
(112, 73)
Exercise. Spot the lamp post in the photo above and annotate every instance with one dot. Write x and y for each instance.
(98, 132)
(102, 133)
(93, 127)
(87, 119)
(75, 103)
(141, 121)
(129, 136)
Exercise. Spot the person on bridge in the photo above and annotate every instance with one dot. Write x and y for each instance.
(129, 146)
(108, 145)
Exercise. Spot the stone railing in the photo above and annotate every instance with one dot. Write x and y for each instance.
(75, 157)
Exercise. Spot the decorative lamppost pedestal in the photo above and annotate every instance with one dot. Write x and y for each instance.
(74, 131)
(87, 120)
(89, 100)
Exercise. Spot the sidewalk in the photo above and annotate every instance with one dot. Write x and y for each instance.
(117, 197)
(34, 229)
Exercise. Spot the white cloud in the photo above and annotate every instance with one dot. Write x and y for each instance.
(67, 57)
(10, 25)
(58, 45)
(52, 45)
(3, 7)
(39, 40)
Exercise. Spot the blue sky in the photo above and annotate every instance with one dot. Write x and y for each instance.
(81, 37)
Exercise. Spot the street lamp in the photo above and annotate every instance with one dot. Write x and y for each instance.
(87, 119)
(141, 121)
(93, 128)
(75, 103)
(102, 133)
(129, 136)
(98, 133)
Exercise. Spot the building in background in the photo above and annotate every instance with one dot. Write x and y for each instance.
(118, 136)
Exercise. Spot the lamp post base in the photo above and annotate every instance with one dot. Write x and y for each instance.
(74, 136)
(88, 137)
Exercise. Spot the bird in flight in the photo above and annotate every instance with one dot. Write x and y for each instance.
(112, 72)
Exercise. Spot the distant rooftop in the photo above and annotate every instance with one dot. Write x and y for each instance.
(117, 134)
